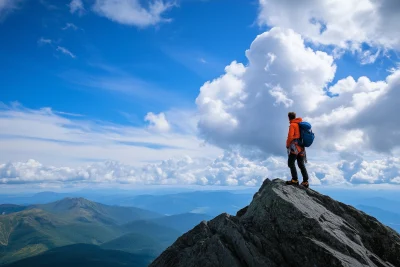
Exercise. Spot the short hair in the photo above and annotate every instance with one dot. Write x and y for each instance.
(292, 115)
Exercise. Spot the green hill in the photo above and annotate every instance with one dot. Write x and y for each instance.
(29, 232)
(83, 255)
(83, 210)
(76, 220)
(135, 243)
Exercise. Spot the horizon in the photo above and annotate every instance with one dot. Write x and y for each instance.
(112, 95)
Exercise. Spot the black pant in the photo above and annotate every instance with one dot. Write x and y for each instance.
(300, 162)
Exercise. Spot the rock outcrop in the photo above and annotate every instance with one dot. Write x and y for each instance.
(286, 226)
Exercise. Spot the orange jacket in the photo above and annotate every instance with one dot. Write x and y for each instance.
(294, 133)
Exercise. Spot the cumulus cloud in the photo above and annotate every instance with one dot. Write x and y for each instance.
(361, 112)
(384, 170)
(345, 23)
(158, 122)
(248, 105)
(76, 6)
(133, 12)
(379, 121)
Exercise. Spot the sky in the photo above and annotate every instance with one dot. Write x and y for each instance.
(196, 92)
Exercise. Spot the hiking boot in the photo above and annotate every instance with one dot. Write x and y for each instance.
(292, 182)
(305, 184)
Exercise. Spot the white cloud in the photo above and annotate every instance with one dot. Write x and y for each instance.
(280, 95)
(158, 122)
(248, 105)
(43, 41)
(132, 12)
(345, 23)
(76, 6)
(121, 150)
(229, 169)
(41, 134)
(360, 113)
(70, 26)
(379, 121)
(368, 57)
(226, 170)
(65, 51)
(377, 171)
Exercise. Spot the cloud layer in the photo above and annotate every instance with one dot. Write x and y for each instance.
(229, 169)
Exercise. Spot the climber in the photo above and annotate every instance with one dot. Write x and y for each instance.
(296, 151)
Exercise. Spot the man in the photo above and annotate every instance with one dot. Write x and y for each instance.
(295, 151)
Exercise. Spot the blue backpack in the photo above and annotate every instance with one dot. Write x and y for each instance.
(306, 134)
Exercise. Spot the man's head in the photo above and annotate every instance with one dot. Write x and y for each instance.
(292, 115)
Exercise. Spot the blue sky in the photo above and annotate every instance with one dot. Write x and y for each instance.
(118, 68)
(196, 91)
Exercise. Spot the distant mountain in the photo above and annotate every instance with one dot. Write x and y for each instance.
(153, 236)
(30, 232)
(381, 203)
(84, 255)
(136, 243)
(206, 202)
(39, 228)
(10, 208)
(182, 222)
(83, 210)
(162, 234)
(391, 219)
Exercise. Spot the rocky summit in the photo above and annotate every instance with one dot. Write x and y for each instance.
(287, 226)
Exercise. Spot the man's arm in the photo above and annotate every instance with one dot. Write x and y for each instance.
(290, 135)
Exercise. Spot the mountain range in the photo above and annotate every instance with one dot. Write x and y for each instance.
(26, 231)
(138, 228)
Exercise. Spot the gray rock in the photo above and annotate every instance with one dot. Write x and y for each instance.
(287, 226)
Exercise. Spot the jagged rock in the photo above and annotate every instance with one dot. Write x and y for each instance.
(287, 226)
